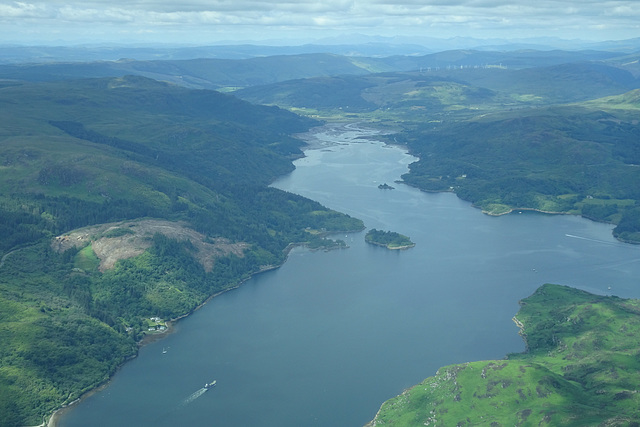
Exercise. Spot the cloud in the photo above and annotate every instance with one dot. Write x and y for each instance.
(22, 10)
(264, 18)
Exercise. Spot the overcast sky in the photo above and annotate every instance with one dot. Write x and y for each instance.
(300, 21)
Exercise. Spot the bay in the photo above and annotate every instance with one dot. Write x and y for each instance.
(327, 337)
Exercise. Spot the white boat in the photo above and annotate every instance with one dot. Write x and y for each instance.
(209, 385)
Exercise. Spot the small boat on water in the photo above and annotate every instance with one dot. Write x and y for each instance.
(209, 385)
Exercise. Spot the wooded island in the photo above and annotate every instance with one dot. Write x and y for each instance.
(388, 239)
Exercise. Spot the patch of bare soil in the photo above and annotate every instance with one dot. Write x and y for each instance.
(121, 240)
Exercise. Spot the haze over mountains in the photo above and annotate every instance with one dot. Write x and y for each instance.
(260, 65)
(348, 45)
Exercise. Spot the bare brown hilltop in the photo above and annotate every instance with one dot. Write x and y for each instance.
(115, 241)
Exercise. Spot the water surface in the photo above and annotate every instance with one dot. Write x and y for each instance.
(326, 338)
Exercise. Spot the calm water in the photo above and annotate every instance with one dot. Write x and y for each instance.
(326, 338)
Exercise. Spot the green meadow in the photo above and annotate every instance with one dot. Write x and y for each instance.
(581, 368)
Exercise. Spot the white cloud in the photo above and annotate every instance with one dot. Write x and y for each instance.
(207, 20)
(22, 10)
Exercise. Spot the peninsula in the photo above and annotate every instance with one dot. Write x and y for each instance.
(580, 368)
(388, 239)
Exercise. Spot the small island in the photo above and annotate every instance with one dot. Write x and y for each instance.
(388, 239)
(386, 186)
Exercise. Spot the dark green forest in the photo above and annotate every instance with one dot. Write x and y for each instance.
(87, 152)
(569, 159)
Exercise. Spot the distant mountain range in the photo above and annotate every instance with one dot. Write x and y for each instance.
(231, 74)
(349, 45)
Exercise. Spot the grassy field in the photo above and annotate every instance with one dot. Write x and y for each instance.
(581, 368)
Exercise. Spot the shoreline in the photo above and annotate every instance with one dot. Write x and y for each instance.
(54, 418)
(396, 248)
(511, 210)
(392, 248)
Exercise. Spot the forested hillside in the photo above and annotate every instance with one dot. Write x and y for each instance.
(203, 73)
(579, 159)
(272, 65)
(561, 138)
(87, 152)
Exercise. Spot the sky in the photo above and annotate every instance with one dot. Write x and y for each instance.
(202, 22)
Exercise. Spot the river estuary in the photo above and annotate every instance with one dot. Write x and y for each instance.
(327, 337)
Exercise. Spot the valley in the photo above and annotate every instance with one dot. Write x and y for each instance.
(139, 188)
(183, 174)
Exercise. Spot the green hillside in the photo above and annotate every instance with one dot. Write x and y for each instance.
(577, 159)
(580, 369)
(126, 199)
(206, 73)
(560, 139)
(398, 99)
(272, 66)
(413, 95)
(559, 83)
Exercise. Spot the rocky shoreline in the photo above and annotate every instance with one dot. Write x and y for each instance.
(393, 248)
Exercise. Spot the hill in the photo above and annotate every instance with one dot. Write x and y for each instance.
(126, 203)
(272, 65)
(445, 89)
(202, 73)
(560, 83)
(535, 138)
(577, 159)
(580, 369)
(507, 58)
(347, 45)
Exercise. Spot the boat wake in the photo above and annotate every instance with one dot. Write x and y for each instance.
(194, 396)
(590, 240)
(161, 420)
(198, 393)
